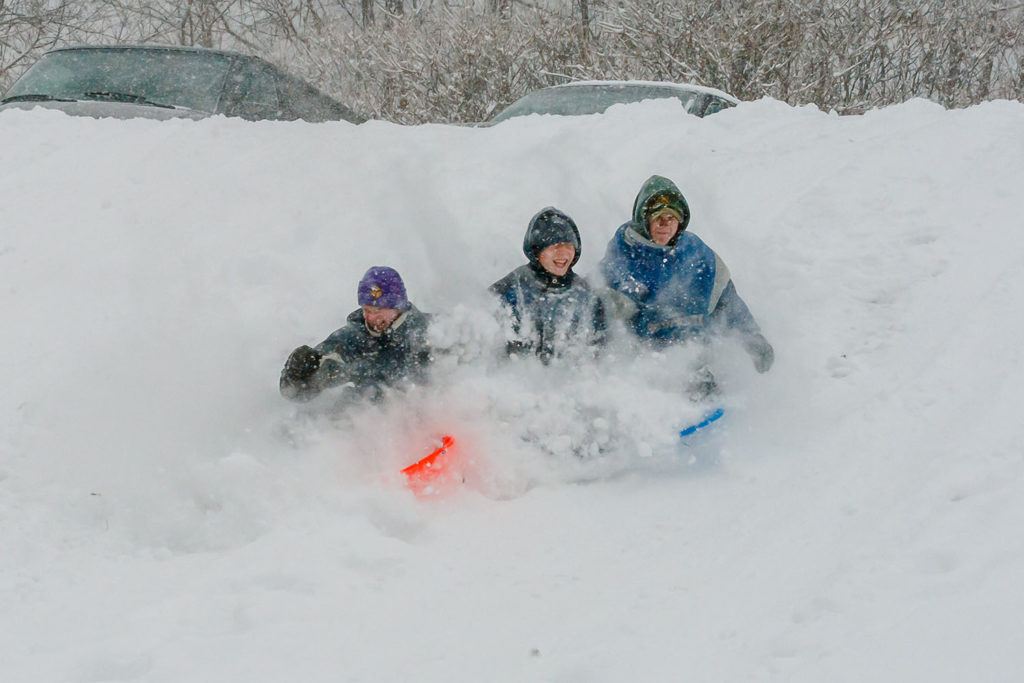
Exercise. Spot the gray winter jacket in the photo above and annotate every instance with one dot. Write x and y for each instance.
(548, 315)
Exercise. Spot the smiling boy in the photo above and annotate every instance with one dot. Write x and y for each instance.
(548, 308)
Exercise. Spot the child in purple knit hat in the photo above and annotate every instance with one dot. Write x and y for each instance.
(383, 343)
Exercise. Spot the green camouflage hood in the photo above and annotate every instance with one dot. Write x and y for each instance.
(652, 187)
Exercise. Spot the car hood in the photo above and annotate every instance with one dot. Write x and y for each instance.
(117, 110)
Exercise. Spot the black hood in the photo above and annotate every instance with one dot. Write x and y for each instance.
(550, 226)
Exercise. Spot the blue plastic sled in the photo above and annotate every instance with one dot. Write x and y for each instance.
(704, 422)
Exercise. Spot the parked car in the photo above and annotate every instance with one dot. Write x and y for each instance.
(594, 97)
(169, 82)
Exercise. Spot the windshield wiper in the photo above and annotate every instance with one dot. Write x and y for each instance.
(125, 97)
(35, 98)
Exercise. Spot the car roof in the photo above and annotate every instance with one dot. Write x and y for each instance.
(156, 48)
(683, 87)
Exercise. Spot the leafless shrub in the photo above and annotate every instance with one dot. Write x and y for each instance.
(848, 55)
(28, 27)
(457, 60)
(447, 65)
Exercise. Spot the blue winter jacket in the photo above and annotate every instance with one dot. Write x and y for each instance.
(675, 292)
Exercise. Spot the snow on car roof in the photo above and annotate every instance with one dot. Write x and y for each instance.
(153, 47)
(660, 84)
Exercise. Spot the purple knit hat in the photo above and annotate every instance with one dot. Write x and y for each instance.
(383, 287)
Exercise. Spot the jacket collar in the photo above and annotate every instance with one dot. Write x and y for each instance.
(391, 328)
(635, 237)
(356, 317)
(551, 281)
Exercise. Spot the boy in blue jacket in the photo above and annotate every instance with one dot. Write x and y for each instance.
(673, 287)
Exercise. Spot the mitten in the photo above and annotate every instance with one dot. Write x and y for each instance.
(301, 365)
(761, 352)
(518, 347)
(637, 290)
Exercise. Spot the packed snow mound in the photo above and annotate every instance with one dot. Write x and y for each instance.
(168, 516)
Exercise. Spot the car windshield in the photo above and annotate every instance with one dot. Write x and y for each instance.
(184, 79)
(592, 99)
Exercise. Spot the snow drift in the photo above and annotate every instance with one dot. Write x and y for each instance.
(167, 516)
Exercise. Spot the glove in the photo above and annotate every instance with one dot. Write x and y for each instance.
(761, 352)
(518, 347)
(301, 365)
(636, 289)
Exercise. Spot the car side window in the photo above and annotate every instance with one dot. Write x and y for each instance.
(715, 104)
(296, 96)
(302, 101)
(255, 95)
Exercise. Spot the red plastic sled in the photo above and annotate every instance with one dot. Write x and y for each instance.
(427, 477)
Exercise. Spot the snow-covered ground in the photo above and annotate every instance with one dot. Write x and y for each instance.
(166, 516)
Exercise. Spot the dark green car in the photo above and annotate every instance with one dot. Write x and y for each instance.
(169, 82)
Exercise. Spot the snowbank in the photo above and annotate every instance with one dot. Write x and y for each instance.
(166, 516)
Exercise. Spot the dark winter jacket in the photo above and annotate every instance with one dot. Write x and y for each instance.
(365, 359)
(550, 315)
(678, 291)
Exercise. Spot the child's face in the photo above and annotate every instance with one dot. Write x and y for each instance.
(557, 258)
(378, 318)
(663, 227)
